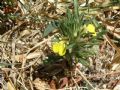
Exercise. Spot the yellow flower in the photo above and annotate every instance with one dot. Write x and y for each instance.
(55, 47)
(59, 48)
(62, 48)
(91, 29)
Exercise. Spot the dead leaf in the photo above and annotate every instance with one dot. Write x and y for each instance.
(25, 33)
(33, 55)
(53, 84)
(41, 85)
(21, 57)
(116, 62)
(64, 82)
(10, 86)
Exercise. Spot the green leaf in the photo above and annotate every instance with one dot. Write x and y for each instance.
(76, 8)
(49, 29)
(95, 22)
(84, 62)
(70, 46)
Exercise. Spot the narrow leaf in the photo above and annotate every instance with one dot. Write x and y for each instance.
(49, 29)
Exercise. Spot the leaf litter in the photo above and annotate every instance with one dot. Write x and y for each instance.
(24, 50)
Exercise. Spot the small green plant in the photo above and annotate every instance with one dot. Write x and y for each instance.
(77, 34)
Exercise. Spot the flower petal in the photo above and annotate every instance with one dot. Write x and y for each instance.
(55, 47)
(62, 48)
(91, 29)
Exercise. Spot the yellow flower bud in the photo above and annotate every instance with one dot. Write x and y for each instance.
(91, 29)
(59, 48)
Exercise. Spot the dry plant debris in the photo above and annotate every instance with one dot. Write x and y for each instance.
(24, 50)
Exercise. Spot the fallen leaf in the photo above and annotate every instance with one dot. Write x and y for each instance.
(53, 84)
(10, 86)
(33, 55)
(26, 33)
(64, 82)
(21, 57)
(41, 85)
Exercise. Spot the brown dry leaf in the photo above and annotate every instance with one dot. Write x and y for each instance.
(115, 67)
(99, 1)
(116, 58)
(53, 84)
(103, 2)
(33, 55)
(116, 62)
(26, 32)
(21, 57)
(41, 85)
(10, 86)
(21, 5)
(78, 79)
(64, 82)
